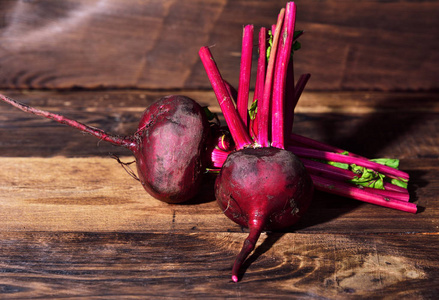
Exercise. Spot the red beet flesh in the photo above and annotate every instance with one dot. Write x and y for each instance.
(262, 189)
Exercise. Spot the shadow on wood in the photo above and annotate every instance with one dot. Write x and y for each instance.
(270, 240)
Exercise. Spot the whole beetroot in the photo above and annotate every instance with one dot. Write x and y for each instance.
(169, 145)
(259, 186)
(262, 189)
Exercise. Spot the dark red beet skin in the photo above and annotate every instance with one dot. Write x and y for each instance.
(169, 145)
(170, 154)
(262, 189)
(263, 185)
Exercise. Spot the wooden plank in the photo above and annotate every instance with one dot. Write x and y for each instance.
(83, 194)
(348, 45)
(364, 123)
(90, 192)
(117, 112)
(95, 194)
(197, 265)
(74, 224)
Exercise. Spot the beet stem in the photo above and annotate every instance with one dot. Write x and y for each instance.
(351, 191)
(293, 96)
(262, 62)
(300, 86)
(401, 196)
(393, 187)
(260, 76)
(247, 247)
(342, 175)
(219, 157)
(336, 157)
(290, 102)
(264, 105)
(282, 60)
(127, 142)
(299, 140)
(234, 122)
(325, 170)
(245, 73)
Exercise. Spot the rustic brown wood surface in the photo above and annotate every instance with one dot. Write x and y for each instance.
(367, 45)
(73, 223)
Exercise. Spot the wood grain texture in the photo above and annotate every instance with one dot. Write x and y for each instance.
(194, 265)
(73, 223)
(364, 123)
(348, 45)
(83, 194)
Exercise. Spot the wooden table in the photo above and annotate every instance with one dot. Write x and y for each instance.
(74, 224)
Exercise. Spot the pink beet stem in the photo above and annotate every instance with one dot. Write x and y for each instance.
(404, 196)
(262, 61)
(127, 142)
(293, 96)
(260, 74)
(280, 75)
(300, 86)
(325, 170)
(232, 91)
(335, 157)
(219, 157)
(298, 140)
(247, 248)
(350, 191)
(234, 122)
(393, 187)
(289, 102)
(264, 105)
(245, 73)
(342, 175)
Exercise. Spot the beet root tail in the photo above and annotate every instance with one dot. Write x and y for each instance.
(127, 142)
(247, 248)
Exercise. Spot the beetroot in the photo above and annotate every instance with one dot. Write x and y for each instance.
(261, 185)
(170, 154)
(262, 189)
(271, 186)
(169, 145)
